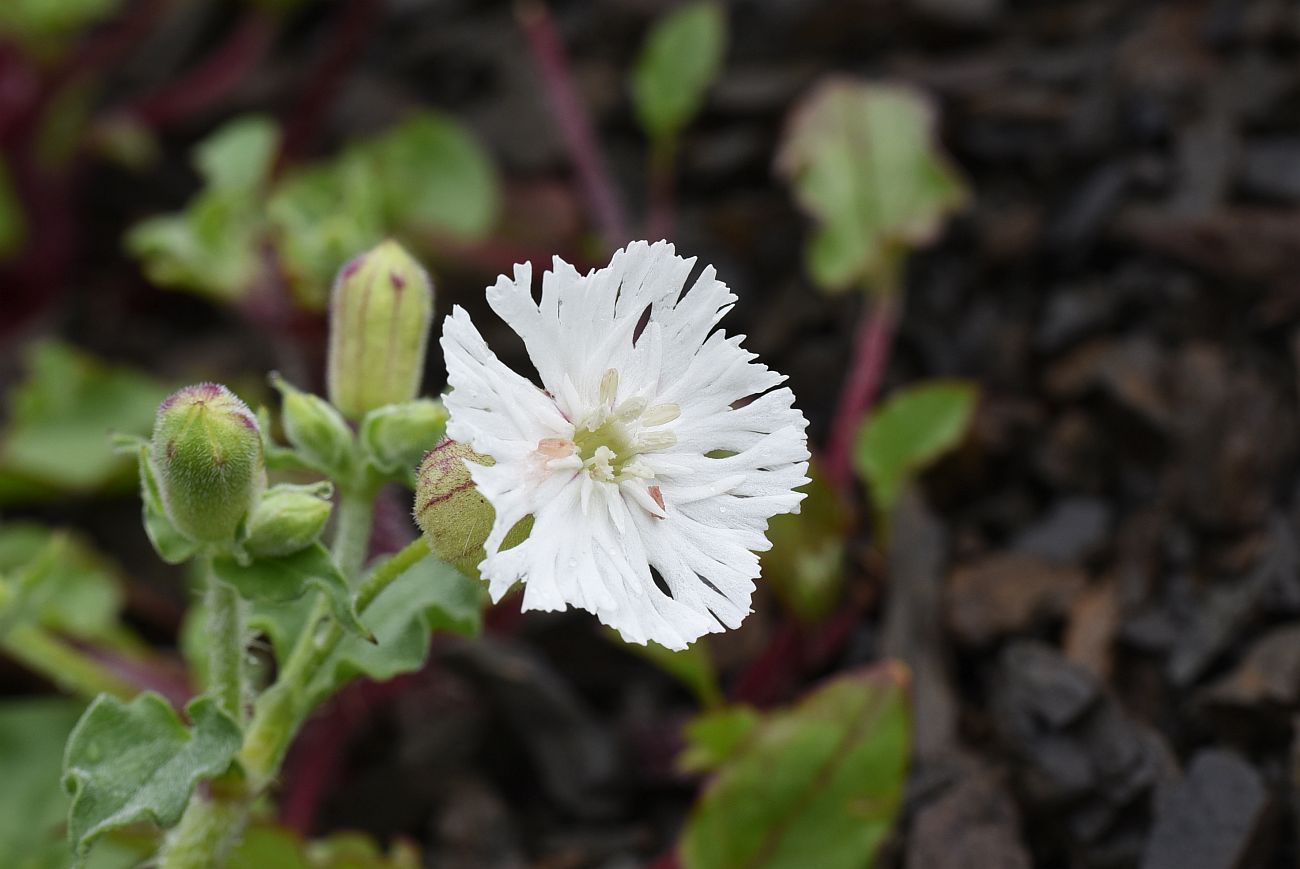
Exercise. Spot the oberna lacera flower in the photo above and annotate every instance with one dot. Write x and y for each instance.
(651, 458)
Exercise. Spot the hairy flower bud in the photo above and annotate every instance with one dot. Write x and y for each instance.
(454, 517)
(380, 312)
(207, 456)
(288, 519)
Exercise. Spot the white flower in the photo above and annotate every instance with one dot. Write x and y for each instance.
(657, 445)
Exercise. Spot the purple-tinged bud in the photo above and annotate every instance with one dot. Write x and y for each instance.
(453, 515)
(380, 312)
(206, 453)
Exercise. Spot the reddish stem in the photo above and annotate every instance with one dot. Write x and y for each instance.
(662, 206)
(574, 122)
(351, 31)
(871, 347)
(215, 78)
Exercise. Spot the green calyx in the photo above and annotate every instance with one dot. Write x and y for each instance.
(206, 453)
(455, 518)
(380, 312)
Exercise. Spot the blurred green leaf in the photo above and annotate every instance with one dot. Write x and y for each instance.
(910, 431)
(434, 176)
(59, 582)
(692, 666)
(128, 763)
(429, 597)
(57, 440)
(425, 176)
(806, 562)
(13, 222)
(267, 846)
(212, 247)
(321, 217)
(715, 737)
(40, 25)
(33, 806)
(679, 61)
(863, 161)
(818, 784)
(290, 577)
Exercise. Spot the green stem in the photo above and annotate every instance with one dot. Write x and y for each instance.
(63, 664)
(210, 827)
(225, 646)
(352, 535)
(281, 709)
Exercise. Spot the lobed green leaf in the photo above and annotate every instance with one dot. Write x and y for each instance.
(128, 763)
(289, 578)
(429, 597)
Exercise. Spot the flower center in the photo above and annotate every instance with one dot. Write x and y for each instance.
(608, 441)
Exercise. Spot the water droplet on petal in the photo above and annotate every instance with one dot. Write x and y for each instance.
(573, 562)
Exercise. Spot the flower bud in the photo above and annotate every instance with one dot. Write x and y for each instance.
(380, 312)
(288, 519)
(397, 436)
(315, 429)
(454, 517)
(207, 456)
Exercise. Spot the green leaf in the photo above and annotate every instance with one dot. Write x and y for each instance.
(715, 737)
(429, 597)
(13, 223)
(132, 762)
(863, 161)
(679, 61)
(816, 785)
(59, 582)
(60, 417)
(290, 577)
(692, 666)
(212, 247)
(268, 846)
(321, 217)
(910, 431)
(434, 176)
(806, 562)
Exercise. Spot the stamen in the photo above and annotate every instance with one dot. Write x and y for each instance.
(656, 440)
(660, 414)
(630, 409)
(609, 387)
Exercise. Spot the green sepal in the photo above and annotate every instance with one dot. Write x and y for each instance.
(289, 577)
(278, 458)
(317, 431)
(394, 438)
(135, 762)
(171, 545)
